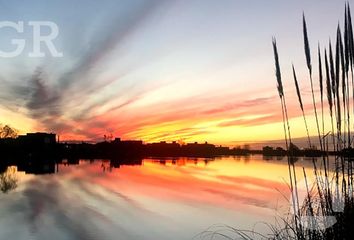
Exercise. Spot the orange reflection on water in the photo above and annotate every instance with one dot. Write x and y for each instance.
(228, 182)
(159, 198)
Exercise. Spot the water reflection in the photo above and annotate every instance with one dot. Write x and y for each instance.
(147, 199)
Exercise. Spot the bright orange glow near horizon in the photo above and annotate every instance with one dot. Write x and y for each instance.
(217, 128)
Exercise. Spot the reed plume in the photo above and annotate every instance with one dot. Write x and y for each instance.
(309, 66)
(306, 45)
(346, 40)
(277, 69)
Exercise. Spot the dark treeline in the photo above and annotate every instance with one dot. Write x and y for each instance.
(37, 146)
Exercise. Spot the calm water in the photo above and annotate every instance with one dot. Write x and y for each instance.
(171, 199)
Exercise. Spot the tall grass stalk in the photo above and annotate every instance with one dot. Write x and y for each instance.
(340, 78)
(349, 48)
(336, 97)
(320, 78)
(301, 106)
(345, 69)
(291, 167)
(329, 98)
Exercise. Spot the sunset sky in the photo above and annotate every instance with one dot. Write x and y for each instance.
(184, 70)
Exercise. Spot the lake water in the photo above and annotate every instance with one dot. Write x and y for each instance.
(172, 199)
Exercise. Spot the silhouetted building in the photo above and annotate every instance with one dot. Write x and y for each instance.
(35, 146)
(38, 139)
(163, 149)
(195, 149)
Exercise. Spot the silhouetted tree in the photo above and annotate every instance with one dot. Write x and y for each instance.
(7, 132)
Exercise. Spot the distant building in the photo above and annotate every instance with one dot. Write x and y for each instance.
(36, 147)
(38, 139)
(195, 149)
